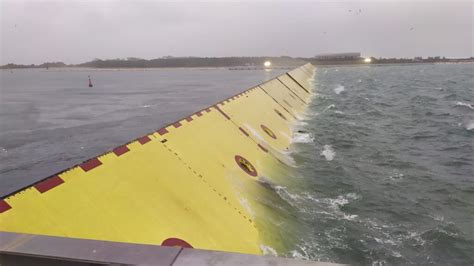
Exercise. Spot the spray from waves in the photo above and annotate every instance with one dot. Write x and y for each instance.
(465, 105)
(328, 152)
(302, 137)
(470, 126)
(255, 133)
(331, 106)
(285, 135)
(3, 152)
(266, 250)
(339, 89)
(300, 123)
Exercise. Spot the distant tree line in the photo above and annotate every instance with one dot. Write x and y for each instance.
(211, 62)
(173, 62)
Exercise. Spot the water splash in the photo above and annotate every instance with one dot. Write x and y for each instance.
(339, 89)
(302, 137)
(465, 105)
(328, 152)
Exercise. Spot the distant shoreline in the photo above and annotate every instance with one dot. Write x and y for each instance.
(231, 63)
(233, 68)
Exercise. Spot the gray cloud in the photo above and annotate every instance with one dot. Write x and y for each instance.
(78, 31)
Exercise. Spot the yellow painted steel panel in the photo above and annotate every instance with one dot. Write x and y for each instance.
(268, 126)
(302, 77)
(201, 181)
(284, 97)
(295, 88)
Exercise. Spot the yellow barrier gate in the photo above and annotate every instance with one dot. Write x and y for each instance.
(195, 183)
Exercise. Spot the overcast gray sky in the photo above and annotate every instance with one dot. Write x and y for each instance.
(79, 31)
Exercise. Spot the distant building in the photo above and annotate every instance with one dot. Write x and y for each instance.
(338, 56)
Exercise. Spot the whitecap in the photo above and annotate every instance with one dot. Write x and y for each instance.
(350, 217)
(328, 152)
(300, 123)
(3, 151)
(470, 126)
(465, 105)
(339, 89)
(299, 137)
(289, 197)
(396, 176)
(268, 250)
(339, 112)
(331, 106)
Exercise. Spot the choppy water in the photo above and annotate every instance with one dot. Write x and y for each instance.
(385, 164)
(383, 161)
(50, 120)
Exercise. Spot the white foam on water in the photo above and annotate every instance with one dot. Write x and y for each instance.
(396, 176)
(437, 217)
(302, 138)
(379, 263)
(465, 105)
(287, 158)
(3, 152)
(359, 81)
(338, 112)
(328, 152)
(268, 250)
(470, 125)
(331, 106)
(289, 197)
(350, 217)
(300, 123)
(339, 89)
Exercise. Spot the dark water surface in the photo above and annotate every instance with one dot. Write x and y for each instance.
(383, 163)
(387, 166)
(50, 120)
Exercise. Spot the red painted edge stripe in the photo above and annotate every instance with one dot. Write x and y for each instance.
(4, 206)
(176, 242)
(121, 150)
(49, 184)
(144, 139)
(177, 124)
(189, 119)
(91, 164)
(162, 131)
(222, 112)
(263, 148)
(243, 131)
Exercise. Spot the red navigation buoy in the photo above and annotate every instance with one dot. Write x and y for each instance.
(90, 82)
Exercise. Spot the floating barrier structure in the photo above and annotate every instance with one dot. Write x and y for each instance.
(194, 183)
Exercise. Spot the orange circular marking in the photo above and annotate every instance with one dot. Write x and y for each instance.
(268, 131)
(245, 165)
(176, 242)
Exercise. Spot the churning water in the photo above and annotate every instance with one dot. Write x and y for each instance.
(383, 160)
(386, 175)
